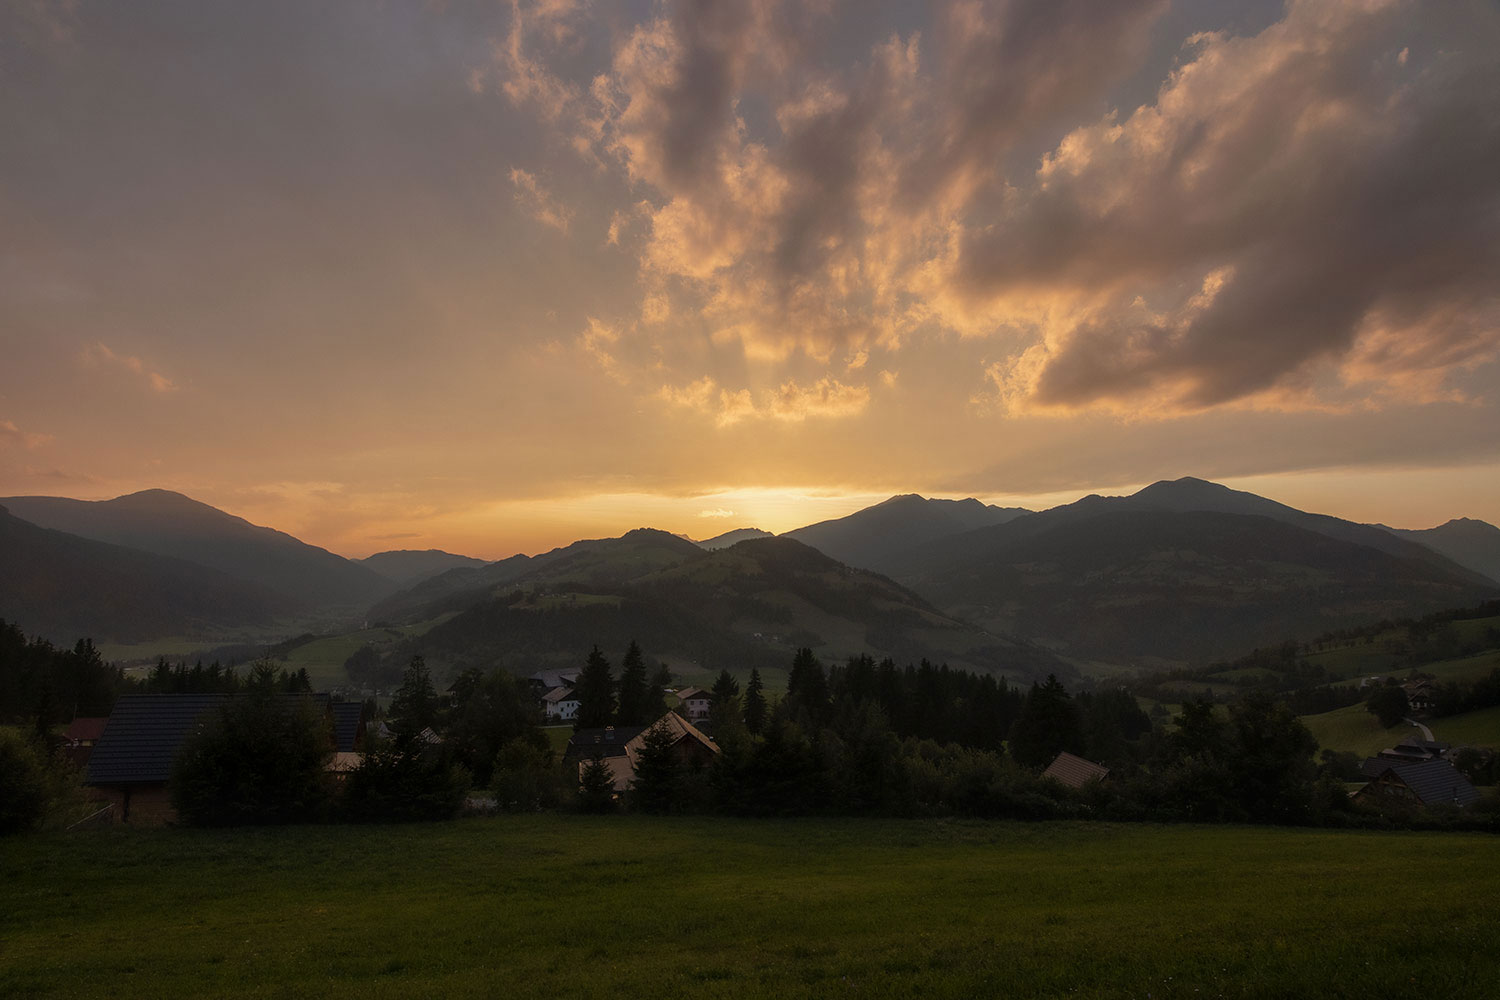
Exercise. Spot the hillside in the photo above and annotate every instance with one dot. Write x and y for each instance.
(170, 524)
(597, 562)
(65, 587)
(1468, 542)
(734, 537)
(1179, 496)
(752, 604)
(871, 538)
(1179, 586)
(409, 566)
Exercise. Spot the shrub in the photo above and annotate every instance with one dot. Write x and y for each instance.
(259, 758)
(23, 785)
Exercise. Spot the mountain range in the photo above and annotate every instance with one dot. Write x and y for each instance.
(1180, 571)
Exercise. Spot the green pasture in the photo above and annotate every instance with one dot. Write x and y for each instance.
(1354, 729)
(323, 658)
(1465, 670)
(1480, 729)
(569, 906)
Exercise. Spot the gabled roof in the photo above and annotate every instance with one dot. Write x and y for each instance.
(1433, 782)
(143, 735)
(620, 757)
(608, 741)
(1074, 771)
(550, 679)
(680, 729)
(145, 730)
(693, 692)
(559, 694)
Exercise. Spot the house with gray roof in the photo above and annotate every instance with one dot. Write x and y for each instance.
(1415, 784)
(132, 760)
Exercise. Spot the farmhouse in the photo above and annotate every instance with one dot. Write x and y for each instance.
(560, 704)
(620, 748)
(132, 760)
(696, 703)
(1415, 784)
(1073, 771)
(1415, 749)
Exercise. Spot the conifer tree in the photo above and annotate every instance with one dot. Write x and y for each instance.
(1048, 723)
(807, 687)
(755, 704)
(596, 787)
(596, 693)
(635, 690)
(415, 706)
(725, 687)
(657, 774)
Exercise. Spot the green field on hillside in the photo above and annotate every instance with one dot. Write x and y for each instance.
(567, 906)
(1354, 729)
(1481, 729)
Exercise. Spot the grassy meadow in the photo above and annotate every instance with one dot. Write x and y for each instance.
(1354, 729)
(571, 906)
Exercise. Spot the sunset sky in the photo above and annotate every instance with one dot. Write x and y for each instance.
(492, 276)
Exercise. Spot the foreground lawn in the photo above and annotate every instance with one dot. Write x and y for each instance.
(563, 906)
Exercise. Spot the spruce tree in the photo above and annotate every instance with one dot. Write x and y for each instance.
(807, 687)
(635, 689)
(596, 693)
(657, 774)
(415, 706)
(725, 687)
(1048, 723)
(755, 704)
(596, 787)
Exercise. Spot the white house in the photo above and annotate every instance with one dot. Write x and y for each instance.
(696, 703)
(560, 704)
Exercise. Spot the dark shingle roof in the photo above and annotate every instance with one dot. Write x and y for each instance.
(143, 735)
(346, 717)
(1434, 782)
(1074, 771)
(145, 730)
(607, 742)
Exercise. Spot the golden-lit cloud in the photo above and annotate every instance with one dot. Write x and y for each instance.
(790, 402)
(12, 436)
(483, 268)
(539, 203)
(99, 354)
(1308, 184)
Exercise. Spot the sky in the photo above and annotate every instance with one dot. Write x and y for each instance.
(493, 276)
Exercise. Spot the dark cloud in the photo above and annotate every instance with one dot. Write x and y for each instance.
(1335, 189)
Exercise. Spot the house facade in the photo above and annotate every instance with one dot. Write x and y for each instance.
(695, 703)
(560, 705)
(620, 749)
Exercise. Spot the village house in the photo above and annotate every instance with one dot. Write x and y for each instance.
(1419, 694)
(560, 704)
(620, 748)
(695, 703)
(1415, 749)
(132, 760)
(1412, 784)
